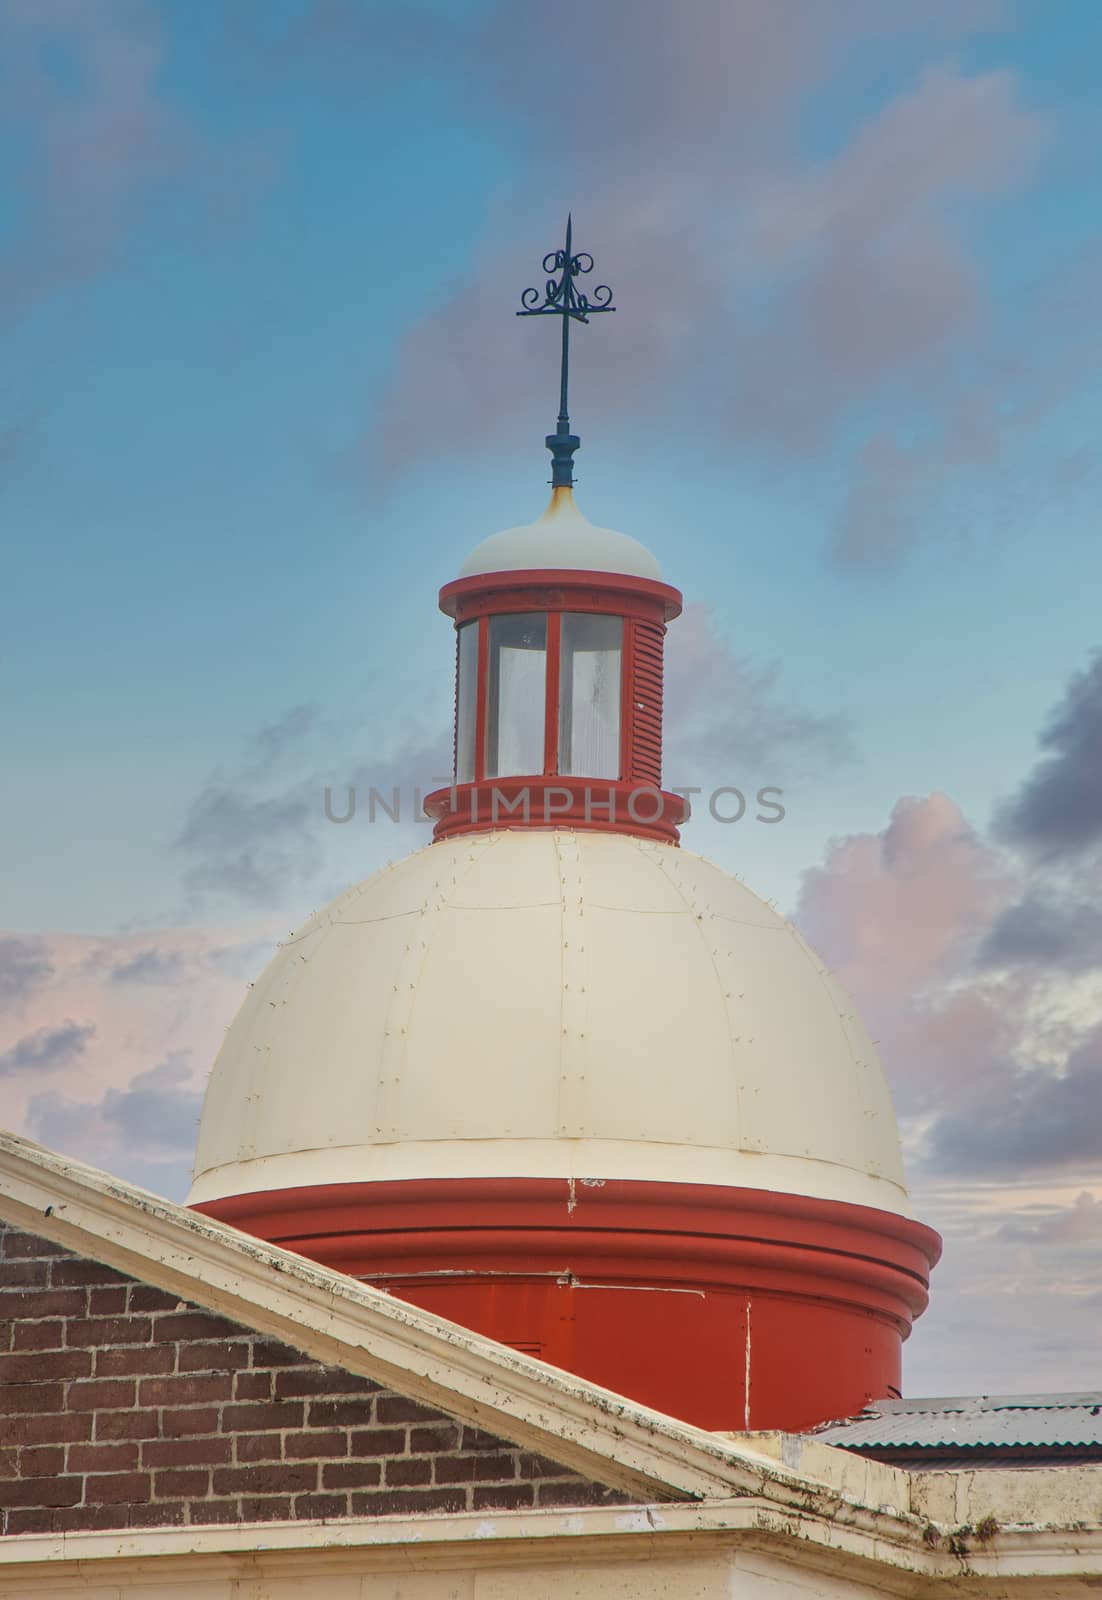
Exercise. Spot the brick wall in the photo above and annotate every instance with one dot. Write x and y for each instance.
(121, 1406)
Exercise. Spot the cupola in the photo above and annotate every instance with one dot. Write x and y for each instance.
(552, 1077)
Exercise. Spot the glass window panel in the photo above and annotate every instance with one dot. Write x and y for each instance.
(589, 695)
(516, 691)
(466, 702)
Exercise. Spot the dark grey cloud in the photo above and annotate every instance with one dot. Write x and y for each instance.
(250, 847)
(150, 966)
(24, 965)
(727, 716)
(1045, 930)
(47, 1049)
(1057, 812)
(1026, 1121)
(144, 1132)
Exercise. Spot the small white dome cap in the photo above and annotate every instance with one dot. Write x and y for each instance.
(564, 540)
(550, 1005)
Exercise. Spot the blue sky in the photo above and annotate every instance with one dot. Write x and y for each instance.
(264, 388)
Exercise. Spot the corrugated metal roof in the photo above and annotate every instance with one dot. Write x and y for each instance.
(1008, 1422)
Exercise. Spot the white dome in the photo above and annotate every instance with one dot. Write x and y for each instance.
(562, 538)
(550, 1004)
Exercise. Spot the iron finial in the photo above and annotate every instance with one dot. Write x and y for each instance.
(562, 299)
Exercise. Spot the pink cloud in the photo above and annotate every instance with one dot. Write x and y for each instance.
(896, 911)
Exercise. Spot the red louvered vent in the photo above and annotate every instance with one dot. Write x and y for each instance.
(646, 728)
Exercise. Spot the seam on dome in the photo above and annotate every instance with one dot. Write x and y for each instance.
(690, 906)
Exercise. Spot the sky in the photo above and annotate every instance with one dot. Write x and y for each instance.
(263, 389)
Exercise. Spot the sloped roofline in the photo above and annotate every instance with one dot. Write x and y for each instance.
(337, 1320)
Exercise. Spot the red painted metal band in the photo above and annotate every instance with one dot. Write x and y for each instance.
(552, 589)
(597, 804)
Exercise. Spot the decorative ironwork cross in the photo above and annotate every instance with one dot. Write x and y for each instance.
(562, 299)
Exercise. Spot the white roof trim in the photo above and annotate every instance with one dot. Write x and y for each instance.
(342, 1322)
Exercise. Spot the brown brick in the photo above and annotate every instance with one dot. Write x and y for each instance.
(212, 1452)
(47, 1303)
(39, 1520)
(396, 1408)
(258, 1446)
(91, 1331)
(30, 1398)
(24, 1275)
(177, 1483)
(476, 1439)
(576, 1492)
(275, 1414)
(213, 1512)
(194, 1419)
(194, 1325)
(502, 1496)
(84, 1519)
(116, 1488)
(265, 1510)
(59, 1491)
(405, 1472)
(101, 1394)
(317, 1506)
(475, 1468)
(108, 1302)
(76, 1271)
(313, 1446)
(190, 1391)
(270, 1353)
(279, 1478)
(121, 1457)
(9, 1463)
(213, 1356)
(321, 1381)
(38, 1335)
(129, 1424)
(252, 1386)
(435, 1439)
(401, 1502)
(49, 1429)
(18, 1243)
(41, 1460)
(378, 1442)
(135, 1360)
(40, 1366)
(344, 1413)
(351, 1474)
(143, 1297)
(163, 1515)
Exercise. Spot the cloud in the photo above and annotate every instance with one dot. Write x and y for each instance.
(150, 966)
(894, 911)
(251, 847)
(78, 85)
(1046, 929)
(24, 966)
(1057, 812)
(1036, 1120)
(726, 715)
(144, 1131)
(1077, 1224)
(47, 1049)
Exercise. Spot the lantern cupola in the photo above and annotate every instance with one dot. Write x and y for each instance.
(560, 627)
(559, 642)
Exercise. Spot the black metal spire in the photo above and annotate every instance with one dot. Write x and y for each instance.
(562, 299)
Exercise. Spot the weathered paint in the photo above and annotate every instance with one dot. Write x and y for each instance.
(616, 1282)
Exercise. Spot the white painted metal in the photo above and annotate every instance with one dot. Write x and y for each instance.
(562, 537)
(550, 1004)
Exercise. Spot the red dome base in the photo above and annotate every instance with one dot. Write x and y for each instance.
(729, 1308)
